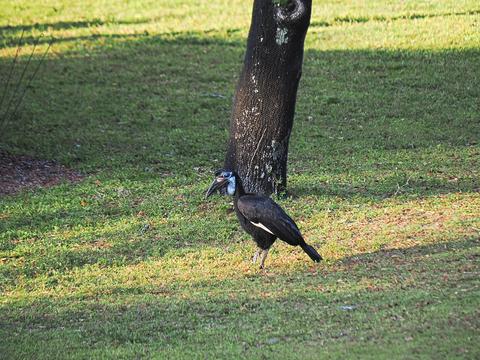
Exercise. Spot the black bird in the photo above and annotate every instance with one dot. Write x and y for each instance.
(261, 217)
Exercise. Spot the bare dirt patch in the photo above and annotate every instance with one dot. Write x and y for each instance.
(23, 172)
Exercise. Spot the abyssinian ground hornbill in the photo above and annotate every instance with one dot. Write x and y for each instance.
(261, 217)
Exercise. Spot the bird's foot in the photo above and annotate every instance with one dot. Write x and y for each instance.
(263, 256)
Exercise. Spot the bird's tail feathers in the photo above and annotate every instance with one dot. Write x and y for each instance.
(314, 255)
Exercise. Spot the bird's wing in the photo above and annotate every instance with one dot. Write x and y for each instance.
(264, 213)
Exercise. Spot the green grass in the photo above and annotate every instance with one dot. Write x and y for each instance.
(133, 262)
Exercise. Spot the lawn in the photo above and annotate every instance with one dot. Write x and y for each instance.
(132, 262)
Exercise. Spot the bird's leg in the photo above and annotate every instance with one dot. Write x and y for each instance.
(255, 256)
(263, 256)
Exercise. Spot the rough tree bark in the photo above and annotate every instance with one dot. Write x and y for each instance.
(264, 103)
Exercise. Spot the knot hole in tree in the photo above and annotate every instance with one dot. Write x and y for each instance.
(290, 11)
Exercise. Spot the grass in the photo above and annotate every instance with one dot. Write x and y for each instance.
(132, 262)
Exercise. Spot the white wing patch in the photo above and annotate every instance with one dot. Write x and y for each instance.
(261, 226)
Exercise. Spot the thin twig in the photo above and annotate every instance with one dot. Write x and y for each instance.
(19, 46)
(399, 188)
(21, 79)
(29, 82)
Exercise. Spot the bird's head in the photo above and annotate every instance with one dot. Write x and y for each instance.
(223, 179)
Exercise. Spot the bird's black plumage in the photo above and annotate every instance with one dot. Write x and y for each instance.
(261, 217)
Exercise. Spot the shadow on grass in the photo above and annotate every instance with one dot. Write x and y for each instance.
(363, 19)
(163, 96)
(63, 25)
(144, 106)
(352, 298)
(60, 25)
(392, 186)
(95, 22)
(185, 38)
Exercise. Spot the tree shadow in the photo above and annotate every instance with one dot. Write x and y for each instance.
(140, 107)
(390, 187)
(63, 25)
(409, 255)
(387, 282)
(395, 115)
(60, 25)
(363, 19)
(185, 38)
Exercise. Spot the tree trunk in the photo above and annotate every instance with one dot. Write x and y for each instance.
(264, 104)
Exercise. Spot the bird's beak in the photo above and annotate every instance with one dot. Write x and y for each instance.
(218, 183)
